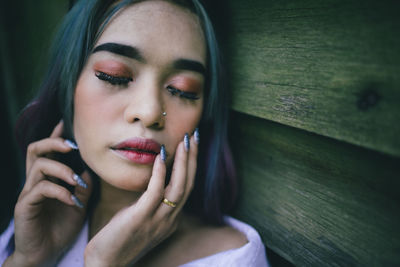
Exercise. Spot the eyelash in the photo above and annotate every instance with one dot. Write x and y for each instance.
(182, 94)
(114, 80)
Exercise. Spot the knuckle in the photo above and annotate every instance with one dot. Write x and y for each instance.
(24, 191)
(58, 139)
(31, 148)
(43, 185)
(19, 209)
(38, 165)
(32, 171)
(40, 162)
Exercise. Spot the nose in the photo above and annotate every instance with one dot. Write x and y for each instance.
(146, 106)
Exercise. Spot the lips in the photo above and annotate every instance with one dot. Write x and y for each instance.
(138, 150)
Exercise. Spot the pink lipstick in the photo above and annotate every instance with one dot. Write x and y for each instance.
(138, 150)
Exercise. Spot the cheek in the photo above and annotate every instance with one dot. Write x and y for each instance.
(186, 122)
(186, 117)
(92, 106)
(86, 103)
(180, 122)
(91, 112)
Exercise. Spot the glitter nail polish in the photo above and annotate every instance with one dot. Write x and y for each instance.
(71, 144)
(163, 153)
(197, 136)
(79, 180)
(186, 142)
(77, 202)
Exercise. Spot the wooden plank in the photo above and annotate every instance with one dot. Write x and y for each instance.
(329, 67)
(317, 201)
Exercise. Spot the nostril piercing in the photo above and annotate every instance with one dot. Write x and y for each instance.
(164, 113)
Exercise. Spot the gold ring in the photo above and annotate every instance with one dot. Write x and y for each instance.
(169, 203)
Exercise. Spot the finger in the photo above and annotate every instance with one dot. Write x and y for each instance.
(151, 198)
(48, 190)
(192, 167)
(191, 175)
(57, 131)
(175, 190)
(45, 146)
(84, 193)
(45, 167)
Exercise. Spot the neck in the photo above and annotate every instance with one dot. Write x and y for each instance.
(111, 201)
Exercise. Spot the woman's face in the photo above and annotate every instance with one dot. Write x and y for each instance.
(149, 60)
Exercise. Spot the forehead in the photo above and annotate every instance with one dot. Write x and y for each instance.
(157, 28)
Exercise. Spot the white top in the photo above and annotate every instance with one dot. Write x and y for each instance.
(252, 254)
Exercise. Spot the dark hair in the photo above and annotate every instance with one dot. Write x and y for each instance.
(215, 187)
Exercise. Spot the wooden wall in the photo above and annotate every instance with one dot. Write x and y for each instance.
(316, 127)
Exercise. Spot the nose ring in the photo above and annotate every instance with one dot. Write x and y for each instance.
(164, 113)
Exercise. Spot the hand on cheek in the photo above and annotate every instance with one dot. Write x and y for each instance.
(38, 238)
(140, 227)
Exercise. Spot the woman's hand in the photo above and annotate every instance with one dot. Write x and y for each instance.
(46, 217)
(135, 230)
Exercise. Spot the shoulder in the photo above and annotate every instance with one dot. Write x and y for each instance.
(235, 244)
(248, 231)
(214, 239)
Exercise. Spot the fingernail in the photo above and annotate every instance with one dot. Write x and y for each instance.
(163, 153)
(79, 180)
(71, 144)
(197, 136)
(77, 202)
(186, 141)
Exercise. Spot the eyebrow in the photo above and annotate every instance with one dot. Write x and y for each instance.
(191, 65)
(134, 53)
(120, 49)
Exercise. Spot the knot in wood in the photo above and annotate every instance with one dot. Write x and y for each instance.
(368, 99)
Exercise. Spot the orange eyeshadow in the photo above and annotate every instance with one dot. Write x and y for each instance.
(186, 84)
(113, 68)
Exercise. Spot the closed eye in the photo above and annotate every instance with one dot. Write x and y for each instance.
(114, 80)
(182, 94)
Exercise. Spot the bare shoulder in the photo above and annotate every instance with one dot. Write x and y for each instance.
(197, 240)
(223, 237)
(212, 239)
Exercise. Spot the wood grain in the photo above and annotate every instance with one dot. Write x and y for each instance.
(317, 201)
(328, 67)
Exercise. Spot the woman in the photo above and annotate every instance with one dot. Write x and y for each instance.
(132, 82)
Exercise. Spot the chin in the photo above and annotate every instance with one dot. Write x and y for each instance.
(130, 181)
(129, 185)
(120, 175)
